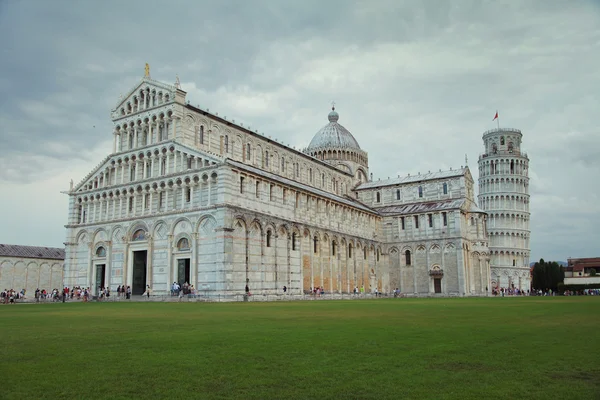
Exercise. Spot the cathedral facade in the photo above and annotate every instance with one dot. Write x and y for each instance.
(189, 196)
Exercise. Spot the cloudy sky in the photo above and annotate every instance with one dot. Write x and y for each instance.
(416, 82)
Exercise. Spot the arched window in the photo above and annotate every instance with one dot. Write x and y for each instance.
(494, 148)
(420, 191)
(315, 241)
(101, 252)
(365, 253)
(378, 255)
(201, 138)
(407, 255)
(398, 194)
(350, 251)
(294, 241)
(510, 147)
(502, 141)
(266, 159)
(248, 151)
(183, 244)
(268, 238)
(282, 164)
(332, 248)
(140, 234)
(226, 144)
(445, 187)
(378, 195)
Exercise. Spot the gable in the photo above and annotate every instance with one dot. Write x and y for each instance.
(95, 179)
(468, 174)
(147, 94)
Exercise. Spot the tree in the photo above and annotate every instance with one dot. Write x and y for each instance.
(593, 272)
(547, 275)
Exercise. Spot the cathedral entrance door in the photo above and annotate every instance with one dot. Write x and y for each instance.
(183, 271)
(100, 277)
(437, 285)
(138, 285)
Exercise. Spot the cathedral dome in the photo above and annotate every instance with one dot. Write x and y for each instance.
(333, 136)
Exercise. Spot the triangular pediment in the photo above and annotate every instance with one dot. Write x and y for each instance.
(147, 94)
(468, 174)
(93, 179)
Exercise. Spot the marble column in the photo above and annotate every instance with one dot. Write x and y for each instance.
(170, 269)
(149, 262)
(93, 219)
(194, 261)
(90, 279)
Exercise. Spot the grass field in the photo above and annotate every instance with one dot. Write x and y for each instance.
(500, 348)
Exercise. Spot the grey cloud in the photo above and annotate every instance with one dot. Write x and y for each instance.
(417, 83)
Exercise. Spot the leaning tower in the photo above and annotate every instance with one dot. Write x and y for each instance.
(504, 195)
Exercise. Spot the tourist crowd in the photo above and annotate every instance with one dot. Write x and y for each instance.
(10, 296)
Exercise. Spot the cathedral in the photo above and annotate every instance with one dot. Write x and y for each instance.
(189, 196)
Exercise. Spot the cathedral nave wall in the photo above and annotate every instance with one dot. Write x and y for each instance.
(270, 252)
(260, 193)
(229, 140)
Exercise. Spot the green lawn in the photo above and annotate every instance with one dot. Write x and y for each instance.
(500, 348)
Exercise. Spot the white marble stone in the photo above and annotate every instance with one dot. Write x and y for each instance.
(255, 212)
(504, 195)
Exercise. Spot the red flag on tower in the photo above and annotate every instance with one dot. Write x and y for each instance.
(495, 116)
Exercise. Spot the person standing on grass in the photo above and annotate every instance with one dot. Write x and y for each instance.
(284, 289)
(148, 291)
